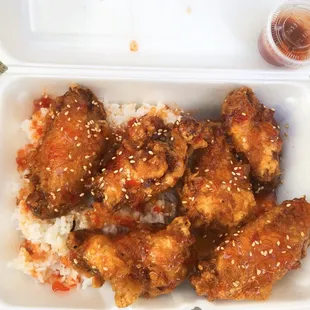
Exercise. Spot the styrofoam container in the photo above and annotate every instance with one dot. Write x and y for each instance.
(210, 49)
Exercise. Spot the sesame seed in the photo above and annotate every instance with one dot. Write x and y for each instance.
(126, 196)
(75, 261)
(288, 204)
(85, 168)
(287, 237)
(66, 168)
(75, 138)
(82, 180)
(289, 247)
(71, 170)
(87, 156)
(151, 153)
(207, 170)
(278, 264)
(61, 129)
(236, 283)
(270, 251)
(78, 145)
(69, 119)
(244, 114)
(250, 254)
(81, 195)
(115, 171)
(113, 157)
(278, 243)
(144, 159)
(121, 169)
(130, 157)
(258, 272)
(132, 161)
(302, 234)
(48, 168)
(184, 202)
(228, 188)
(232, 261)
(264, 253)
(102, 170)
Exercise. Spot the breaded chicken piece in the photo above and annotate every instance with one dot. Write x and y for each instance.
(145, 262)
(253, 259)
(68, 155)
(217, 192)
(254, 133)
(151, 159)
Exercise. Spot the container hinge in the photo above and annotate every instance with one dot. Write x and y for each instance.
(3, 67)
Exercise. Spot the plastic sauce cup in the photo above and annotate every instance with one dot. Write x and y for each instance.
(285, 40)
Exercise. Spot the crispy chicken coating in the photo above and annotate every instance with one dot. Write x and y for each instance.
(250, 261)
(151, 159)
(68, 155)
(145, 262)
(254, 133)
(217, 192)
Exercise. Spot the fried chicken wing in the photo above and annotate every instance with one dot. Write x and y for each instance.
(254, 133)
(68, 154)
(151, 159)
(250, 261)
(217, 192)
(145, 262)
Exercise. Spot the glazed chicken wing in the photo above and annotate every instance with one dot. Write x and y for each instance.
(254, 133)
(250, 261)
(68, 155)
(217, 192)
(143, 262)
(150, 160)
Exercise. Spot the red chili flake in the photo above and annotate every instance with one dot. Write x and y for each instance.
(157, 209)
(132, 183)
(58, 286)
(42, 103)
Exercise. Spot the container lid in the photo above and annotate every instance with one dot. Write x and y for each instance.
(154, 33)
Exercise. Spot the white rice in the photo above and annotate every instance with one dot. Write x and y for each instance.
(50, 235)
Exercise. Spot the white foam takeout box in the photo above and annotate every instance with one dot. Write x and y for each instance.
(192, 52)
